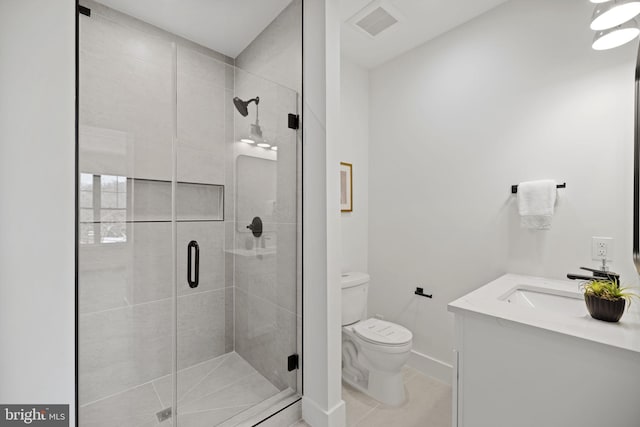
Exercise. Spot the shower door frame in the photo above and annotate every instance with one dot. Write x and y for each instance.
(77, 214)
(300, 214)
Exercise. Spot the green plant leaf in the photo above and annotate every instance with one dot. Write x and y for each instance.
(609, 290)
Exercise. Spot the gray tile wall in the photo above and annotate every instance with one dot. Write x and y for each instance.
(276, 54)
(125, 83)
(203, 84)
(267, 285)
(120, 275)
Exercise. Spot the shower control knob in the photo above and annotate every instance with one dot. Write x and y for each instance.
(256, 226)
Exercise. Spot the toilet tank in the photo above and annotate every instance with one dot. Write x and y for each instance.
(355, 287)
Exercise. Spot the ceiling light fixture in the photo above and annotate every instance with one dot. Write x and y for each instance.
(616, 36)
(613, 13)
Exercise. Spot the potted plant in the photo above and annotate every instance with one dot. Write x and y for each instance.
(606, 300)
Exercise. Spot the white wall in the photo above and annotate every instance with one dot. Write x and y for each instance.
(354, 149)
(514, 95)
(37, 201)
(322, 404)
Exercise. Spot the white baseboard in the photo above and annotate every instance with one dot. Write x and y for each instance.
(431, 367)
(318, 417)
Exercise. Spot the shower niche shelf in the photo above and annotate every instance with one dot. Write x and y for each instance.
(108, 199)
(252, 252)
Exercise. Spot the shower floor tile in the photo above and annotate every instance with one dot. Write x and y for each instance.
(231, 387)
(208, 394)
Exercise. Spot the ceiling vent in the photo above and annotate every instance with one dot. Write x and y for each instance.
(375, 18)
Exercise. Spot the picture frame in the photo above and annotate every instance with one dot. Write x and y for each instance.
(346, 187)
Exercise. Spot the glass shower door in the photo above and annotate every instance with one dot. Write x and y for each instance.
(267, 276)
(236, 286)
(204, 304)
(126, 249)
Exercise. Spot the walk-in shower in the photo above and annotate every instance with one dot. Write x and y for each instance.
(187, 316)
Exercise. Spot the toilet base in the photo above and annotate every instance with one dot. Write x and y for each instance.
(386, 388)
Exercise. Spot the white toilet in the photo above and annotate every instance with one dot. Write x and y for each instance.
(373, 350)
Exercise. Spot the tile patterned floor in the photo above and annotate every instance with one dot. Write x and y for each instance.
(428, 405)
(208, 394)
(231, 387)
(216, 390)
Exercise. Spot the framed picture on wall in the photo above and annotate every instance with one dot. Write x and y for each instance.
(346, 187)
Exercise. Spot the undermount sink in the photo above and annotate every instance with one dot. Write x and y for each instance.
(550, 300)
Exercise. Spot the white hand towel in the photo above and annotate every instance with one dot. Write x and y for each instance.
(536, 203)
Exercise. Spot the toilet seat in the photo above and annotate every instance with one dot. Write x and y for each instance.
(380, 332)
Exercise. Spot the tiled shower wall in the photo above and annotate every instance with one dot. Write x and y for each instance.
(126, 265)
(268, 288)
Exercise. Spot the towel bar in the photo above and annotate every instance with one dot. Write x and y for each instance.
(514, 188)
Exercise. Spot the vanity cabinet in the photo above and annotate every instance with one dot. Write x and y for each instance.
(522, 368)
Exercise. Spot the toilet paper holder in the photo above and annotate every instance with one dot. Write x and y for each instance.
(420, 291)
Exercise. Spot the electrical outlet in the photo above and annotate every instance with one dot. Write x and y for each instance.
(602, 248)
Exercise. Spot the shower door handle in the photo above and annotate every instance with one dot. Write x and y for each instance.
(193, 277)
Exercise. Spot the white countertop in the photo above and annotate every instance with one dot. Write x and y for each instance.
(486, 301)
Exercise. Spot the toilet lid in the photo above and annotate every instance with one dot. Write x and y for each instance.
(382, 332)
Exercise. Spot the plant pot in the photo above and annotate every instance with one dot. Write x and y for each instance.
(604, 309)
